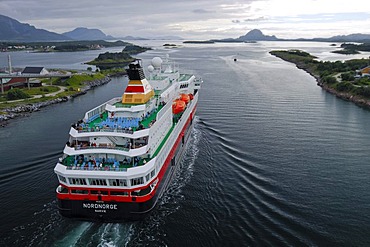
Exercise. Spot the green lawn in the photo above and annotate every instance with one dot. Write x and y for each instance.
(41, 90)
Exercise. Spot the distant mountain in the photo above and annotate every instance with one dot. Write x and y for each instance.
(83, 33)
(152, 38)
(251, 36)
(133, 38)
(356, 37)
(13, 30)
(257, 35)
(167, 38)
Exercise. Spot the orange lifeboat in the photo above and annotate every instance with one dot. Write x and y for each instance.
(185, 98)
(178, 106)
(191, 96)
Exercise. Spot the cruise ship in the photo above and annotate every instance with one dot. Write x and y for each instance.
(122, 155)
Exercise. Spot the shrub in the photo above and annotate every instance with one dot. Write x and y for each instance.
(347, 76)
(345, 86)
(16, 93)
(364, 91)
(329, 80)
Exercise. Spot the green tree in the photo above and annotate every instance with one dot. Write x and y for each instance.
(345, 86)
(16, 93)
(349, 76)
(329, 80)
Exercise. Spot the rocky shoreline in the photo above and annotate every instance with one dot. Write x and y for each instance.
(358, 100)
(26, 109)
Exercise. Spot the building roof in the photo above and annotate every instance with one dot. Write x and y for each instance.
(32, 70)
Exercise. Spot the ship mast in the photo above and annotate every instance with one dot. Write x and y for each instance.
(9, 65)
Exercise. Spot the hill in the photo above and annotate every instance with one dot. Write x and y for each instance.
(13, 30)
(252, 36)
(257, 35)
(355, 37)
(83, 33)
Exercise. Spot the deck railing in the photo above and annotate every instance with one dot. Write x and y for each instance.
(105, 129)
(105, 168)
(104, 147)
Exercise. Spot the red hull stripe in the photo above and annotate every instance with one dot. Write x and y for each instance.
(94, 197)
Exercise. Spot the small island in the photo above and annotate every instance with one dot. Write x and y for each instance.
(349, 48)
(349, 80)
(109, 60)
(199, 42)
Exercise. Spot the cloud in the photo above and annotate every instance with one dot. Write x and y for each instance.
(202, 19)
(201, 11)
(261, 18)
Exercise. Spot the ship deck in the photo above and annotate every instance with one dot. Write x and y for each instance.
(111, 164)
(105, 123)
(101, 165)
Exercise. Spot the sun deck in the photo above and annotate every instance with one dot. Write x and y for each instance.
(118, 124)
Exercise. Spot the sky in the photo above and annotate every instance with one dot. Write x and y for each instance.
(196, 19)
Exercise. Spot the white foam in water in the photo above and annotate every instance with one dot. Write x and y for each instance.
(114, 235)
(74, 235)
(148, 230)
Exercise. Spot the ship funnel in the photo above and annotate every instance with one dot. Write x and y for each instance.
(135, 71)
(138, 90)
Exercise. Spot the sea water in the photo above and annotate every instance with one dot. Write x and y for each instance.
(273, 160)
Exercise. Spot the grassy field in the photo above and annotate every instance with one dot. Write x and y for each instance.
(73, 85)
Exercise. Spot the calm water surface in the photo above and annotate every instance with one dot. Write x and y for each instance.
(273, 160)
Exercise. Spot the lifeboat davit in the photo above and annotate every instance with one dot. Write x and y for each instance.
(185, 98)
(178, 106)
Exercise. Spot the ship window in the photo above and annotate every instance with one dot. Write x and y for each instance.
(147, 177)
(97, 181)
(152, 173)
(79, 192)
(62, 179)
(97, 192)
(77, 181)
(118, 182)
(119, 193)
(137, 181)
(62, 190)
